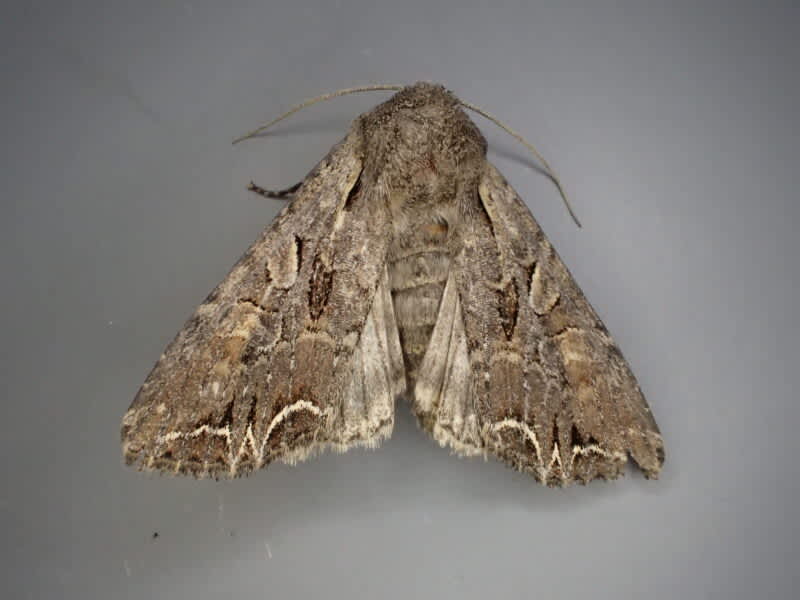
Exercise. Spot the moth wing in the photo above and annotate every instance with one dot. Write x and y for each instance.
(519, 364)
(295, 350)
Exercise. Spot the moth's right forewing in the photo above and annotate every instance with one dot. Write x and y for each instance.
(257, 373)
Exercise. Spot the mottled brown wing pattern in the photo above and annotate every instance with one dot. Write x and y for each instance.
(275, 363)
(519, 364)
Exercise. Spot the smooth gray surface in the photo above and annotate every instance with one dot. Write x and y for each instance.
(674, 127)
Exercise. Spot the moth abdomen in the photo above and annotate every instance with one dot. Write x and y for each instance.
(417, 281)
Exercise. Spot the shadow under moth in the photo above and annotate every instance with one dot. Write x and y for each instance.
(403, 265)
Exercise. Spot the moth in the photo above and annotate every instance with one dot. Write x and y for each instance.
(404, 265)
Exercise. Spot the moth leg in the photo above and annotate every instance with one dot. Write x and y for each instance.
(286, 194)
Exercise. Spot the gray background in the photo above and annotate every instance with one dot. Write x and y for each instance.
(674, 127)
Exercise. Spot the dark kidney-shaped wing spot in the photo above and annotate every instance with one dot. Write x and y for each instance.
(508, 305)
(319, 289)
(298, 248)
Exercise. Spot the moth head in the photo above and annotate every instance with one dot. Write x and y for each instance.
(422, 142)
(432, 101)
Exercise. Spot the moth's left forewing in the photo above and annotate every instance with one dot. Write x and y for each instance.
(549, 391)
(590, 396)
